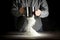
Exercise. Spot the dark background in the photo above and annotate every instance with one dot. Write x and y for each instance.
(51, 23)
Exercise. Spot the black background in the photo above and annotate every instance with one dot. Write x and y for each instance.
(51, 23)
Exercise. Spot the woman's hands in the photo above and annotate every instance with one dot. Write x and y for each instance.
(37, 12)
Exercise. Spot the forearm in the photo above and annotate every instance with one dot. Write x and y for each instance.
(44, 14)
(14, 9)
(44, 9)
(15, 12)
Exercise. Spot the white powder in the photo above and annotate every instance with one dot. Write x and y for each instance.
(29, 28)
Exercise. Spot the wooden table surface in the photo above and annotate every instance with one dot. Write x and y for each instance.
(43, 35)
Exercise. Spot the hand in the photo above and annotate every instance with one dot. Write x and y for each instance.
(38, 12)
(21, 10)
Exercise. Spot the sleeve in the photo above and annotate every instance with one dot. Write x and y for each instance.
(44, 9)
(14, 9)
